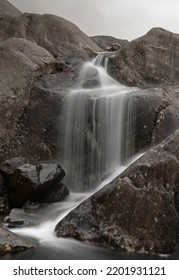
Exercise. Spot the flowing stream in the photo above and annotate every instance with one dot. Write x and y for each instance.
(96, 143)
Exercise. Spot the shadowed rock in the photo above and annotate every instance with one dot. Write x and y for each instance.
(4, 205)
(33, 183)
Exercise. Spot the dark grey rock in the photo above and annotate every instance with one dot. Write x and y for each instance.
(57, 193)
(10, 242)
(30, 182)
(175, 254)
(4, 205)
(135, 212)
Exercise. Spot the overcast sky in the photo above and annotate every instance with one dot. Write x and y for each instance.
(125, 19)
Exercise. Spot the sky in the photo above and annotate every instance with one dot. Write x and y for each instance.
(124, 19)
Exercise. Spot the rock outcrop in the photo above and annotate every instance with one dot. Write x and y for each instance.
(149, 60)
(137, 211)
(10, 242)
(60, 37)
(7, 9)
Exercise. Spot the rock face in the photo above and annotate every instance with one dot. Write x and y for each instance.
(57, 35)
(138, 211)
(39, 61)
(10, 242)
(148, 60)
(8, 9)
(21, 62)
(167, 120)
(4, 205)
(28, 182)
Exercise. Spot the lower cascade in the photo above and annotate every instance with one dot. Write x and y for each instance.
(96, 129)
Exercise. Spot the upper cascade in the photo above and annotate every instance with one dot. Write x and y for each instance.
(94, 73)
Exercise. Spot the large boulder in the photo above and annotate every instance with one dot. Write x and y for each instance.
(137, 211)
(21, 61)
(57, 35)
(149, 60)
(10, 242)
(28, 182)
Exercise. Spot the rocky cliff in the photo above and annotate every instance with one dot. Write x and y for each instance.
(150, 60)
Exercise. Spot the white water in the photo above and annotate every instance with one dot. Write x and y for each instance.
(96, 130)
(96, 142)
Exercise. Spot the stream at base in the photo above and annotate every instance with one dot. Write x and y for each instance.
(49, 247)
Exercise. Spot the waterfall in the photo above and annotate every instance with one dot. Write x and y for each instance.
(96, 140)
(96, 130)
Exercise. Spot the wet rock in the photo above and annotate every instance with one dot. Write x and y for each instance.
(144, 120)
(4, 205)
(30, 182)
(136, 211)
(23, 218)
(149, 60)
(175, 254)
(91, 79)
(1, 185)
(10, 242)
(57, 193)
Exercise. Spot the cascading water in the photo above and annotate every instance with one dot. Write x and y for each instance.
(96, 134)
(95, 142)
